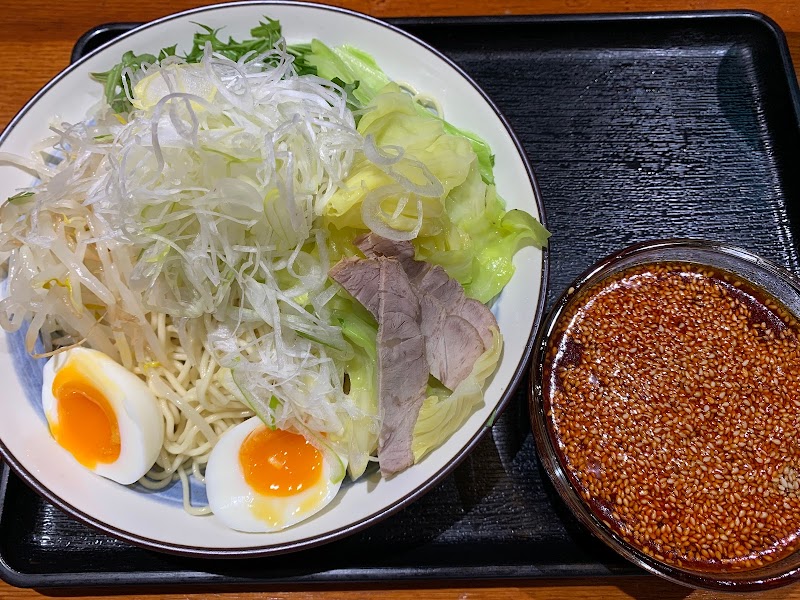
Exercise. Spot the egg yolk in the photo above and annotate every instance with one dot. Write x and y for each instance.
(87, 425)
(279, 463)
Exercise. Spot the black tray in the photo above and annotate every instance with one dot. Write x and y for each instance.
(638, 127)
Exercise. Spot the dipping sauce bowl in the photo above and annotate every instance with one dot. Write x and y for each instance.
(666, 410)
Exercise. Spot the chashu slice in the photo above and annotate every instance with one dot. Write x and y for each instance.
(382, 287)
(457, 329)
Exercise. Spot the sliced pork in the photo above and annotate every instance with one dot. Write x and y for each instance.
(457, 329)
(382, 287)
(426, 325)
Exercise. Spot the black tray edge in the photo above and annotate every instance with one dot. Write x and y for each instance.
(100, 34)
(8, 574)
(341, 578)
(94, 37)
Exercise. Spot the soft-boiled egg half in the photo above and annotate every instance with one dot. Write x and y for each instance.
(260, 479)
(102, 414)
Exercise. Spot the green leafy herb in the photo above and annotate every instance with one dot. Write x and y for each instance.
(349, 89)
(112, 79)
(301, 64)
(263, 38)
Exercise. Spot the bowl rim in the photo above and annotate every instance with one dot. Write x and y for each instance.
(520, 371)
(551, 459)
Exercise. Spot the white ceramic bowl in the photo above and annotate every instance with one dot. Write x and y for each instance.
(158, 520)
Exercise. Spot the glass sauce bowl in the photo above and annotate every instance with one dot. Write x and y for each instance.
(593, 505)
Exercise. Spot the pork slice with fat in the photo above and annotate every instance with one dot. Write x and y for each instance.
(457, 329)
(382, 287)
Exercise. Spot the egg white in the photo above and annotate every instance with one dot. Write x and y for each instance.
(141, 425)
(240, 507)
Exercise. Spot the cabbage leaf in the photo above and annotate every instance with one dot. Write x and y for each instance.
(442, 412)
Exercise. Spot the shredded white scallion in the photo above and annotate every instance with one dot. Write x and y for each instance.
(183, 241)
